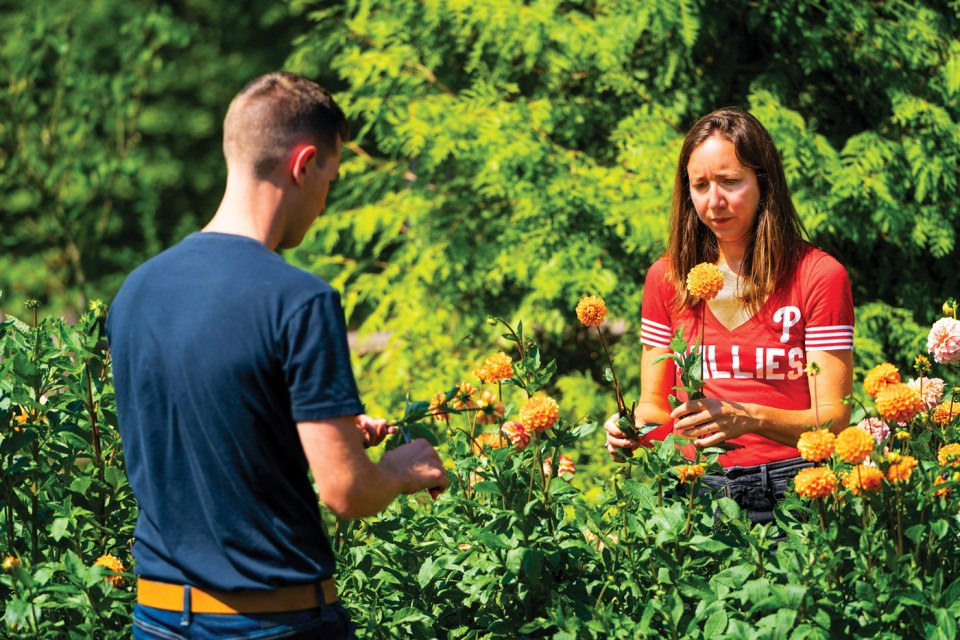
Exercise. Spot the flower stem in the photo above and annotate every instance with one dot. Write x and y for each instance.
(621, 405)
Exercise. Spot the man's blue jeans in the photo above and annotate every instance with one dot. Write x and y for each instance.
(327, 621)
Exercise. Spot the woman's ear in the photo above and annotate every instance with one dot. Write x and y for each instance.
(299, 158)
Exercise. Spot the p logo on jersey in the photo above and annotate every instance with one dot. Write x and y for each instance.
(789, 316)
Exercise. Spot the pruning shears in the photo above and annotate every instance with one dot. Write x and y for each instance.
(405, 433)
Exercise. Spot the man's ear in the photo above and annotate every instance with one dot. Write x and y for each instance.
(301, 155)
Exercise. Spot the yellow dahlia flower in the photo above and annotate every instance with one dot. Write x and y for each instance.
(539, 413)
(815, 482)
(591, 311)
(949, 455)
(705, 281)
(863, 478)
(690, 472)
(816, 445)
(898, 403)
(879, 377)
(901, 469)
(946, 412)
(113, 564)
(854, 445)
(10, 563)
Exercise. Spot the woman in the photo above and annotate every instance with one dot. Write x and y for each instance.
(783, 304)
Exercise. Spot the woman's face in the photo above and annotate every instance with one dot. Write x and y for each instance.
(724, 192)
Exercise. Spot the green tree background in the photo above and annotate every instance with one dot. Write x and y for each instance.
(509, 157)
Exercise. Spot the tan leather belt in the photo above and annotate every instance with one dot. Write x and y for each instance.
(169, 597)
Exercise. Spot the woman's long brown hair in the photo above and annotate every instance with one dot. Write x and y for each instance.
(778, 233)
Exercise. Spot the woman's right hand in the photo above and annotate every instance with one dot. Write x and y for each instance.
(618, 444)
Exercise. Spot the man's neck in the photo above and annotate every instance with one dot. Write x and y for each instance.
(250, 208)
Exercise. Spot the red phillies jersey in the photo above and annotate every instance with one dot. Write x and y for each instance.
(761, 361)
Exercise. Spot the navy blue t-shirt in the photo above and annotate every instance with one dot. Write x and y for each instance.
(219, 348)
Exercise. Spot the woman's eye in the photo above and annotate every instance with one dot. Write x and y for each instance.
(700, 186)
(731, 181)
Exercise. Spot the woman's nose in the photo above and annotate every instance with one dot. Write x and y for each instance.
(715, 199)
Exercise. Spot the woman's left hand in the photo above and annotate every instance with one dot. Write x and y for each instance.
(712, 421)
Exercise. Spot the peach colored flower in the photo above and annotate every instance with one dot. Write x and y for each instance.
(463, 399)
(437, 405)
(863, 479)
(875, 427)
(491, 440)
(490, 409)
(944, 341)
(816, 445)
(930, 390)
(539, 413)
(949, 455)
(517, 434)
(898, 403)
(946, 412)
(591, 311)
(705, 281)
(690, 472)
(854, 445)
(548, 468)
(901, 467)
(815, 482)
(566, 468)
(113, 564)
(496, 368)
(879, 377)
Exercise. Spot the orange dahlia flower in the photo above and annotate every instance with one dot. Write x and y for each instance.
(517, 434)
(815, 482)
(879, 377)
(945, 491)
(539, 413)
(863, 479)
(854, 445)
(496, 368)
(113, 564)
(901, 467)
(705, 281)
(463, 399)
(946, 412)
(437, 404)
(949, 455)
(816, 445)
(591, 311)
(10, 563)
(491, 440)
(690, 472)
(898, 403)
(491, 410)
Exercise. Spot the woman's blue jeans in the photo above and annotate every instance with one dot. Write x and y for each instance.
(757, 489)
(329, 621)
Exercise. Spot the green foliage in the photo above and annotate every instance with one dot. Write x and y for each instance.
(64, 496)
(109, 133)
(511, 157)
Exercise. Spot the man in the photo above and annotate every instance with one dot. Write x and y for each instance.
(232, 377)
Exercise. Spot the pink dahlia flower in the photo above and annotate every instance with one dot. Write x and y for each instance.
(930, 390)
(944, 341)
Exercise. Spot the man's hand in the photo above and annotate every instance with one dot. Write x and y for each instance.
(418, 464)
(374, 430)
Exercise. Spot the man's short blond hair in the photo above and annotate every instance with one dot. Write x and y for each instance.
(275, 112)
